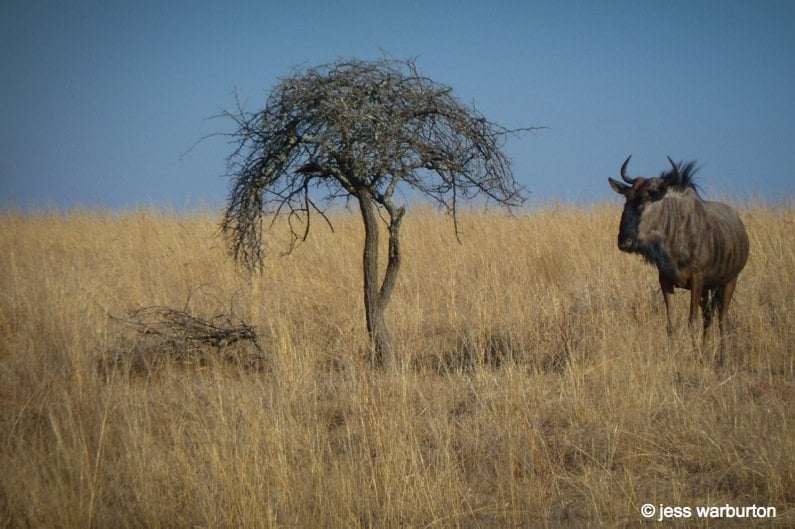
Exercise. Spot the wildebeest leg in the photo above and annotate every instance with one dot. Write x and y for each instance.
(667, 287)
(724, 297)
(709, 301)
(696, 287)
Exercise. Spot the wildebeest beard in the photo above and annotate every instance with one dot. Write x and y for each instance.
(654, 253)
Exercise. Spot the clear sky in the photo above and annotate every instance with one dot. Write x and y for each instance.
(99, 100)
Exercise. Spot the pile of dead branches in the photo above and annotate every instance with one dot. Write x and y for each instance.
(166, 334)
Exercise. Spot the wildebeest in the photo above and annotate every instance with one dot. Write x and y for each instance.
(696, 244)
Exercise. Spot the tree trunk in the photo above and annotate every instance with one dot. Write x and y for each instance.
(375, 298)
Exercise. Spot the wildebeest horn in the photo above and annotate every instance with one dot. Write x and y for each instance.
(677, 174)
(624, 176)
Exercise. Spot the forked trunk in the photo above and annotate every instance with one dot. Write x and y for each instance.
(376, 298)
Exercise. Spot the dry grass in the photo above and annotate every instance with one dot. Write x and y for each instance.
(535, 385)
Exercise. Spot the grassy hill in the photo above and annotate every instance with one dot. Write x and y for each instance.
(535, 387)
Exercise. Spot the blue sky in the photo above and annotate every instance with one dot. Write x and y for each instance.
(100, 100)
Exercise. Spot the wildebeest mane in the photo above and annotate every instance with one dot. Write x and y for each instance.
(688, 171)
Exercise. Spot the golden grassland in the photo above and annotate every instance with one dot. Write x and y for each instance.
(534, 385)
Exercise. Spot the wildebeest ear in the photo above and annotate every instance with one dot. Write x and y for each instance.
(618, 187)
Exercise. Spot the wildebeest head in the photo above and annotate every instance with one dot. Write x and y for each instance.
(640, 192)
